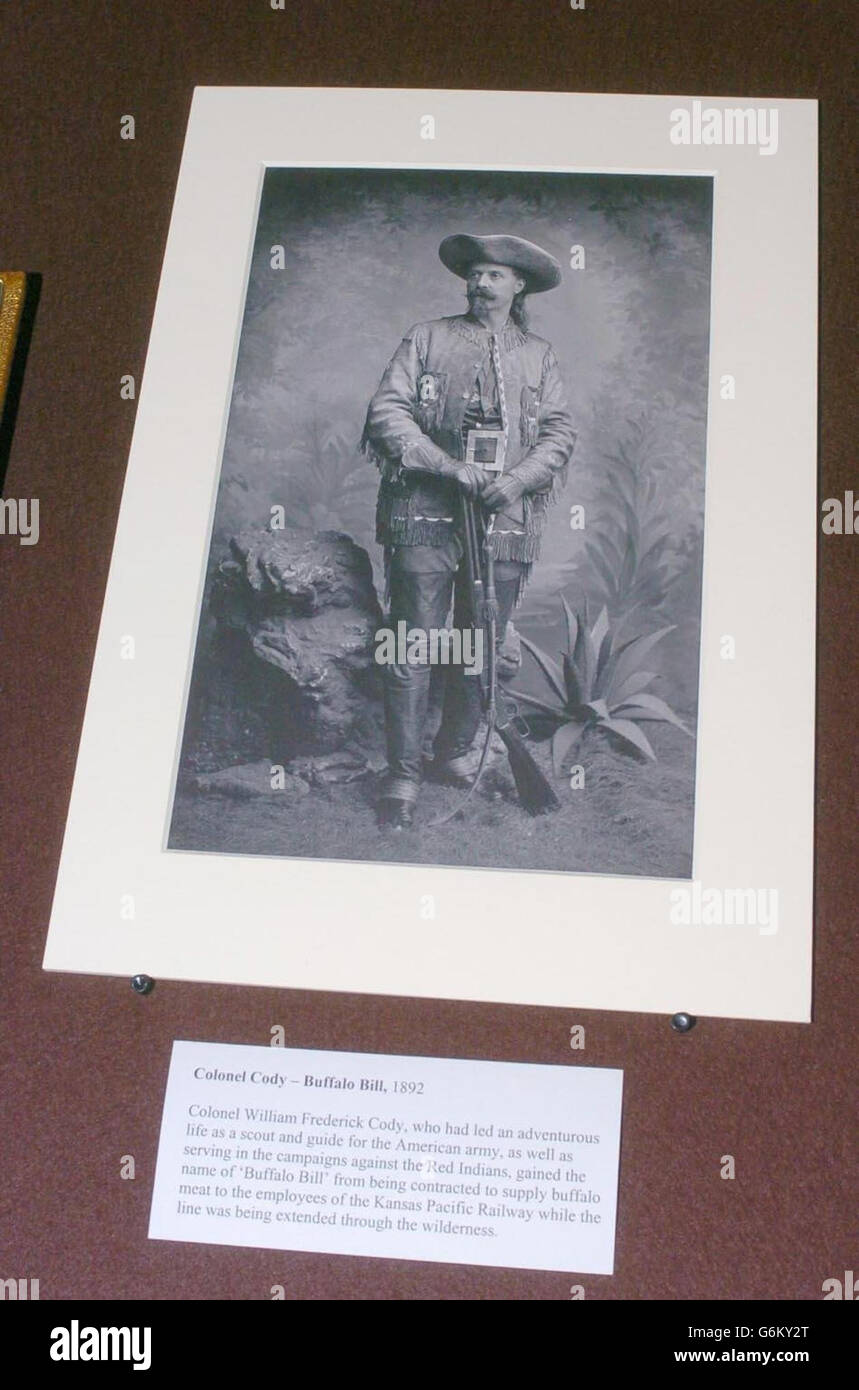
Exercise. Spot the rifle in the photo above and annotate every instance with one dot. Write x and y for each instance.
(535, 792)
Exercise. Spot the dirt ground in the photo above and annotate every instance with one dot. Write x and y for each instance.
(631, 817)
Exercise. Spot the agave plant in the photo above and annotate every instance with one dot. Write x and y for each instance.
(600, 684)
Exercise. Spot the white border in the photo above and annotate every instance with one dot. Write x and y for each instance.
(576, 940)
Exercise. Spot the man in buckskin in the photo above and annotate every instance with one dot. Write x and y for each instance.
(474, 404)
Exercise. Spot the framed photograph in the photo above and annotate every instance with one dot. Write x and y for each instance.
(459, 637)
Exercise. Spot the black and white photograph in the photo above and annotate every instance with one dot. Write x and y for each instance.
(443, 588)
(451, 612)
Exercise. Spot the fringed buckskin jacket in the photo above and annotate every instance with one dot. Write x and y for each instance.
(419, 407)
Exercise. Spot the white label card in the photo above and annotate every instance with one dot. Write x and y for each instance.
(419, 1158)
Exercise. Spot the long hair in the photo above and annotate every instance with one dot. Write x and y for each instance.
(519, 311)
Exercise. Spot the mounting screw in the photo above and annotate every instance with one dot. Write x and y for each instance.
(142, 984)
(683, 1023)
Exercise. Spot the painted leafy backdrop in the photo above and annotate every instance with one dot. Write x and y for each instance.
(360, 250)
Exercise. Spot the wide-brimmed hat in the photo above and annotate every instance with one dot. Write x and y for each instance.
(539, 270)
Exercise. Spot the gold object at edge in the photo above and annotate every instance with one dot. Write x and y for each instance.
(13, 288)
